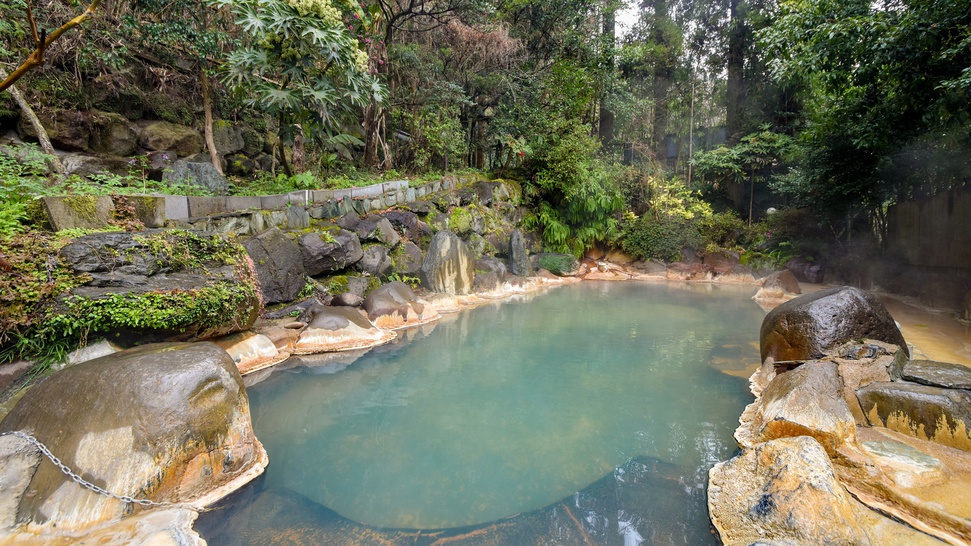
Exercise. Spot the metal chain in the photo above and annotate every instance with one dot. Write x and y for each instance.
(88, 485)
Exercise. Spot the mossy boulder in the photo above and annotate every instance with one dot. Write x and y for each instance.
(227, 137)
(163, 135)
(153, 286)
(279, 265)
(113, 134)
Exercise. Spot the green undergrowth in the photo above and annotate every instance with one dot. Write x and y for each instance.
(40, 320)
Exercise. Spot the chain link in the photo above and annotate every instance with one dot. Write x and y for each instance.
(88, 485)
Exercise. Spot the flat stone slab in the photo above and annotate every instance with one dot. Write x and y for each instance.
(925, 412)
(938, 374)
(78, 211)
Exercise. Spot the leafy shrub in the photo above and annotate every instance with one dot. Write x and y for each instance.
(663, 238)
(557, 264)
(727, 230)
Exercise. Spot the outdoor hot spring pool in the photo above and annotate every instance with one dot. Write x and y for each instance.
(590, 413)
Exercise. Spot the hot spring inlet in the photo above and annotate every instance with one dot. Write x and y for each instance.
(510, 408)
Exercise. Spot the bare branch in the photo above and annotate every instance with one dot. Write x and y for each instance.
(37, 57)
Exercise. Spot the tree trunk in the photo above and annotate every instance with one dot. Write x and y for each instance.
(663, 73)
(210, 140)
(735, 60)
(609, 37)
(42, 138)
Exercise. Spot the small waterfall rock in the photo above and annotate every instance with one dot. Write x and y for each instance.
(449, 265)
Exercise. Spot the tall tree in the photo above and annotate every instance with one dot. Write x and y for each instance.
(888, 96)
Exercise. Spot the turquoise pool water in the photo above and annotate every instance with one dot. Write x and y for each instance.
(512, 407)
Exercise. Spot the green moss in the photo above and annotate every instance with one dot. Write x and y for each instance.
(514, 189)
(336, 284)
(84, 206)
(372, 283)
(460, 221)
(208, 307)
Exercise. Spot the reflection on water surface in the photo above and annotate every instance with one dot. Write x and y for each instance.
(508, 411)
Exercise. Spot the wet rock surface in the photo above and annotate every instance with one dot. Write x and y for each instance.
(786, 491)
(332, 328)
(165, 422)
(807, 401)
(279, 265)
(900, 448)
(806, 327)
(925, 412)
(395, 305)
(937, 374)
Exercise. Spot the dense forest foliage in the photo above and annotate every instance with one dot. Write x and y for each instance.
(626, 135)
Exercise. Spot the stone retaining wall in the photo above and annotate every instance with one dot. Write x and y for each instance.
(242, 215)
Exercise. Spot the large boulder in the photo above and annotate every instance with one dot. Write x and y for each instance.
(449, 266)
(333, 328)
(227, 137)
(929, 413)
(407, 258)
(67, 129)
(778, 285)
(113, 134)
(372, 228)
(806, 401)
(785, 491)
(408, 224)
(163, 422)
(376, 261)
(341, 250)
(201, 174)
(279, 265)
(395, 305)
(157, 285)
(518, 255)
(162, 135)
(806, 327)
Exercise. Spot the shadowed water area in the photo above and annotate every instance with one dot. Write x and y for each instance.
(591, 413)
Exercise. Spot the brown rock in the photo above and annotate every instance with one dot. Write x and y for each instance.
(925, 412)
(339, 329)
(162, 135)
(806, 401)
(395, 305)
(782, 491)
(806, 327)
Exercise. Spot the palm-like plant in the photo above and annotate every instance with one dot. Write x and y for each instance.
(301, 65)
